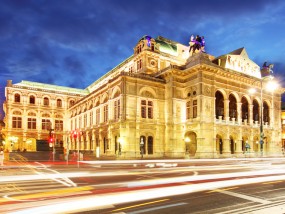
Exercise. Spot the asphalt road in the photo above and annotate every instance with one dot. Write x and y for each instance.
(175, 186)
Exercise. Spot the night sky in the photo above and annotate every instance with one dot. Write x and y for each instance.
(74, 42)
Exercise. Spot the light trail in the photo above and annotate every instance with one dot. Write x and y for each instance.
(93, 202)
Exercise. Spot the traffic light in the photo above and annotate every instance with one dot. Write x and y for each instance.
(51, 141)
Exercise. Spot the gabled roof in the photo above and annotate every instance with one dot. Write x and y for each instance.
(240, 51)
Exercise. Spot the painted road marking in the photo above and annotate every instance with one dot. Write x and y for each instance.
(139, 205)
(246, 197)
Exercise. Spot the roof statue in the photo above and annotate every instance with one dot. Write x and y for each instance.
(266, 70)
(197, 44)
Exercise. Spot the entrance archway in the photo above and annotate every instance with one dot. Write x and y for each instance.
(232, 145)
(219, 144)
(190, 143)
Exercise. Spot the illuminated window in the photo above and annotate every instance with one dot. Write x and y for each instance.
(85, 120)
(46, 101)
(146, 109)
(32, 99)
(139, 64)
(32, 123)
(194, 108)
(17, 98)
(91, 118)
(59, 103)
(58, 125)
(116, 109)
(105, 113)
(188, 110)
(46, 124)
(17, 122)
(97, 116)
(71, 103)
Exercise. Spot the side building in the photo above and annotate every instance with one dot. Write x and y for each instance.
(34, 110)
(164, 102)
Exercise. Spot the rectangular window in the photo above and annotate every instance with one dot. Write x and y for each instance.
(147, 109)
(194, 108)
(85, 120)
(46, 124)
(91, 118)
(188, 110)
(97, 116)
(58, 125)
(143, 109)
(105, 113)
(17, 122)
(150, 110)
(32, 123)
(116, 109)
(139, 64)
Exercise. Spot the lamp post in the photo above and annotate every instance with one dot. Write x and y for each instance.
(266, 75)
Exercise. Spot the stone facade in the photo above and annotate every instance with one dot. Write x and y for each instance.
(160, 102)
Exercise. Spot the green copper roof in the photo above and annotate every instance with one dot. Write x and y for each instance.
(167, 46)
(51, 87)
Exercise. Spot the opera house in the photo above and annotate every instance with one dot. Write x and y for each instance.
(161, 102)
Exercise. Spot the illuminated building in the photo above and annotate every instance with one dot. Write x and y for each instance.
(160, 101)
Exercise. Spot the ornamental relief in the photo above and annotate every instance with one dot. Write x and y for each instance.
(221, 130)
(147, 127)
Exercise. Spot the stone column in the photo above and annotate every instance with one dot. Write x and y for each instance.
(239, 118)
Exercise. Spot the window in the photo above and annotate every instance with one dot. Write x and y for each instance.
(32, 123)
(139, 64)
(17, 122)
(188, 109)
(46, 101)
(117, 109)
(91, 118)
(59, 103)
(131, 69)
(46, 124)
(146, 109)
(97, 116)
(194, 108)
(58, 125)
(85, 120)
(150, 145)
(71, 103)
(17, 98)
(105, 113)
(32, 99)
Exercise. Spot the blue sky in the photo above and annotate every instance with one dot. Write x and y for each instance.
(74, 42)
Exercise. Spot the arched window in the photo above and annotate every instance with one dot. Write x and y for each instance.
(232, 106)
(266, 117)
(219, 104)
(150, 145)
(46, 101)
(32, 99)
(59, 103)
(255, 110)
(244, 109)
(17, 98)
(71, 103)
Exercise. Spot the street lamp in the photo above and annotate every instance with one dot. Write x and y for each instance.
(271, 86)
